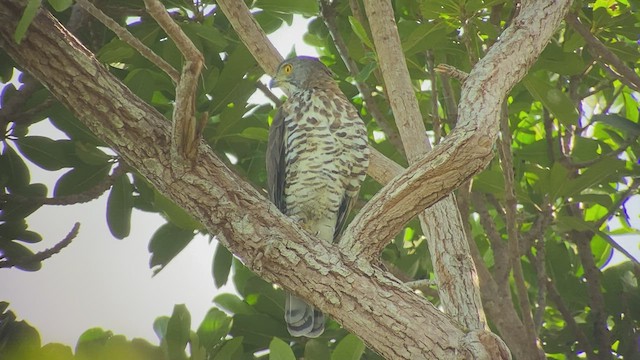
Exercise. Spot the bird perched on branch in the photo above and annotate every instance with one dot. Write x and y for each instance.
(317, 157)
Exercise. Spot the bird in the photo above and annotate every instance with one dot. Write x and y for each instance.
(317, 158)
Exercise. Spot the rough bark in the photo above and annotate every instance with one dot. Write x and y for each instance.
(453, 266)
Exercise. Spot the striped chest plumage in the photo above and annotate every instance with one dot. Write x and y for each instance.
(326, 158)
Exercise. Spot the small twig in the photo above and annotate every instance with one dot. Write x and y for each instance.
(567, 315)
(184, 143)
(592, 274)
(420, 284)
(124, 35)
(449, 99)
(435, 115)
(43, 255)
(500, 253)
(598, 50)
(329, 16)
(451, 72)
(268, 93)
(506, 160)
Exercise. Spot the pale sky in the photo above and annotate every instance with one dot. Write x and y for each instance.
(101, 281)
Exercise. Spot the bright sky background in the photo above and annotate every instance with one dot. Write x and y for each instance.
(101, 281)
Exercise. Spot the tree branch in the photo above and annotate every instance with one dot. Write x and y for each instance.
(124, 35)
(506, 160)
(453, 266)
(468, 148)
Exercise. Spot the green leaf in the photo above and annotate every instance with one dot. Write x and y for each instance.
(419, 34)
(280, 350)
(16, 252)
(233, 304)
(619, 122)
(47, 153)
(366, 71)
(91, 343)
(160, 325)
(214, 327)
(80, 179)
(142, 83)
(166, 243)
(27, 17)
(206, 32)
(349, 348)
(60, 5)
(178, 332)
(556, 101)
(221, 266)
(174, 213)
(592, 176)
(11, 163)
(119, 207)
(231, 350)
(302, 7)
(255, 133)
(316, 350)
(258, 329)
(359, 30)
(15, 209)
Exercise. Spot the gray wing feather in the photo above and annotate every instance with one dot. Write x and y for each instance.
(343, 212)
(276, 161)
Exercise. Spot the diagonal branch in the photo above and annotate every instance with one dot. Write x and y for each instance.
(124, 35)
(599, 51)
(442, 224)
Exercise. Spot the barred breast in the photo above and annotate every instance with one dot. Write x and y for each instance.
(326, 158)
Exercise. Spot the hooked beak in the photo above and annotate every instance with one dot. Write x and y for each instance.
(273, 83)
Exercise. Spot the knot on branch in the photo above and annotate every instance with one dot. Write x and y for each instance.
(484, 345)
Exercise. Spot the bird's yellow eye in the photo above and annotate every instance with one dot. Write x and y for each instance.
(287, 68)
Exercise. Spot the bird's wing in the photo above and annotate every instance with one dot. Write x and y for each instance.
(276, 161)
(343, 212)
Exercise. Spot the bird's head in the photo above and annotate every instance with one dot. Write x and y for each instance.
(300, 73)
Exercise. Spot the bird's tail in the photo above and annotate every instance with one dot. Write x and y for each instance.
(302, 319)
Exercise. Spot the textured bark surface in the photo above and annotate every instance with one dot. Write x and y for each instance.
(453, 266)
(388, 316)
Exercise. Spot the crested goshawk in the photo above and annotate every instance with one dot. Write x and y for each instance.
(317, 157)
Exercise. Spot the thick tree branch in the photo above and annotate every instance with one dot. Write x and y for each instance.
(453, 266)
(468, 148)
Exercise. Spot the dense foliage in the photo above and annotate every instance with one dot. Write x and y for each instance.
(566, 164)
